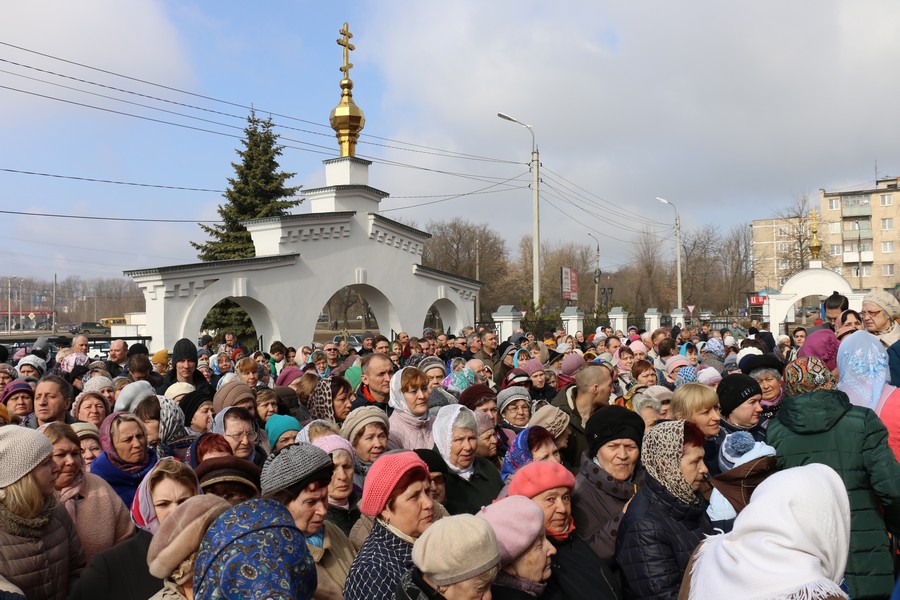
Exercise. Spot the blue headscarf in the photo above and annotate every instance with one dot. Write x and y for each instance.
(685, 375)
(518, 456)
(715, 346)
(863, 365)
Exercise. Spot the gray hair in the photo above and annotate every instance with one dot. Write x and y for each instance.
(758, 374)
(641, 401)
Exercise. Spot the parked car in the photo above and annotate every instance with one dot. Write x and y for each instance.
(89, 328)
(98, 350)
(353, 340)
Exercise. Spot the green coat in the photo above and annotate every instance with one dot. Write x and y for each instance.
(823, 427)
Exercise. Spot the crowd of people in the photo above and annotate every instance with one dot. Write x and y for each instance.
(676, 463)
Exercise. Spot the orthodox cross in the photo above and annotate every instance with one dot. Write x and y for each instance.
(345, 42)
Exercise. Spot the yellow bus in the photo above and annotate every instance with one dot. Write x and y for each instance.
(110, 321)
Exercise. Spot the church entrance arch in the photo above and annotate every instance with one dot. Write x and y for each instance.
(260, 315)
(443, 316)
(809, 282)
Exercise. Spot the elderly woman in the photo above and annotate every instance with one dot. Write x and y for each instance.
(525, 552)
(514, 407)
(534, 444)
(767, 371)
(18, 397)
(86, 496)
(457, 557)
(699, 404)
(298, 478)
(880, 313)
(397, 497)
(576, 571)
(481, 398)
(367, 429)
(164, 421)
(331, 399)
(90, 407)
(173, 550)
(237, 425)
(609, 477)
(281, 431)
(473, 481)
(89, 441)
(126, 456)
(40, 554)
(343, 501)
(666, 519)
(410, 421)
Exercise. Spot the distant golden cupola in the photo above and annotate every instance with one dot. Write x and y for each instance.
(347, 119)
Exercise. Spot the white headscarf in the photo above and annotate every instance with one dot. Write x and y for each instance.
(863, 369)
(397, 400)
(790, 543)
(450, 417)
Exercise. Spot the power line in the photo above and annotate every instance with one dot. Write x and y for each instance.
(94, 180)
(97, 218)
(479, 191)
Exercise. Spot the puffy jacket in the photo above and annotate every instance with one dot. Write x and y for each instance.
(409, 433)
(578, 574)
(656, 540)
(43, 561)
(823, 427)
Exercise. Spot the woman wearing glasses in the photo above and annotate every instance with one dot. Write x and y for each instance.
(880, 313)
(236, 424)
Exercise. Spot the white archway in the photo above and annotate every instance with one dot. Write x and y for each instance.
(809, 282)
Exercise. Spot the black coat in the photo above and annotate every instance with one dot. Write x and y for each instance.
(198, 381)
(119, 573)
(344, 518)
(656, 539)
(578, 573)
(480, 490)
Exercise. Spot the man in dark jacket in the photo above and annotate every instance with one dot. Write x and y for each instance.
(376, 382)
(184, 357)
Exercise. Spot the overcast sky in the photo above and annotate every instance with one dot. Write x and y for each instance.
(728, 109)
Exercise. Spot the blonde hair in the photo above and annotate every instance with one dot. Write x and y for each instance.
(320, 428)
(691, 398)
(246, 366)
(178, 471)
(23, 498)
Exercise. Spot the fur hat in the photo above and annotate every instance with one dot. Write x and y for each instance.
(455, 549)
(517, 521)
(383, 475)
(178, 537)
(22, 450)
(295, 466)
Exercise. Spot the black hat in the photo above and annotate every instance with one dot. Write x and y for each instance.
(433, 461)
(760, 361)
(734, 390)
(613, 423)
(191, 402)
(138, 348)
(184, 350)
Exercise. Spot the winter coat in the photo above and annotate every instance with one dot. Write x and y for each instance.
(40, 556)
(579, 574)
(597, 505)
(333, 562)
(124, 484)
(823, 427)
(120, 573)
(343, 517)
(578, 442)
(412, 586)
(95, 498)
(480, 490)
(890, 416)
(656, 539)
(379, 566)
(197, 380)
(409, 433)
(510, 587)
(364, 398)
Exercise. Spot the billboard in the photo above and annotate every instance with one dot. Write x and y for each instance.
(569, 284)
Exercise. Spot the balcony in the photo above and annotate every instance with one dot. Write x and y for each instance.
(852, 235)
(856, 211)
(854, 257)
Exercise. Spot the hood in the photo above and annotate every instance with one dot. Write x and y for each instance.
(814, 412)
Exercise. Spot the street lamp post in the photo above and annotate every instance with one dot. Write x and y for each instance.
(677, 246)
(9, 304)
(859, 253)
(536, 194)
(596, 276)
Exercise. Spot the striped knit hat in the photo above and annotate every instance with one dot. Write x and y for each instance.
(21, 450)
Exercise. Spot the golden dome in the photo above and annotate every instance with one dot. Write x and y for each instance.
(347, 119)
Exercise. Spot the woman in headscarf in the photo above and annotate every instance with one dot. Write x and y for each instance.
(801, 516)
(714, 354)
(343, 501)
(666, 518)
(818, 424)
(164, 421)
(822, 344)
(126, 456)
(623, 359)
(473, 481)
(331, 399)
(410, 421)
(533, 444)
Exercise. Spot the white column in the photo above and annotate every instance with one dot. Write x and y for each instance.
(651, 319)
(507, 320)
(618, 319)
(573, 320)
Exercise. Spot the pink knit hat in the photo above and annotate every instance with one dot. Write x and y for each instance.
(383, 475)
(330, 443)
(531, 366)
(571, 363)
(517, 521)
(673, 362)
(538, 477)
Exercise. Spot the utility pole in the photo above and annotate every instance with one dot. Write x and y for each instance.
(53, 308)
(478, 277)
(596, 276)
(859, 253)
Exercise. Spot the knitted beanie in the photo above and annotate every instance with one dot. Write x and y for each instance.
(383, 475)
(276, 425)
(358, 418)
(86, 430)
(229, 468)
(476, 395)
(432, 362)
(138, 348)
(734, 390)
(15, 387)
(333, 443)
(178, 537)
(517, 521)
(231, 394)
(455, 549)
(287, 375)
(97, 383)
(551, 418)
(511, 394)
(191, 403)
(538, 477)
(735, 446)
(295, 466)
(613, 423)
(161, 357)
(22, 450)
(673, 362)
(35, 361)
(132, 394)
(571, 363)
(184, 350)
(886, 301)
(531, 366)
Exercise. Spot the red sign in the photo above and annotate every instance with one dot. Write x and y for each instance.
(758, 300)
(569, 279)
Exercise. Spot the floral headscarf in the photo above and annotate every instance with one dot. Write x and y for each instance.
(457, 381)
(106, 443)
(863, 366)
(321, 403)
(805, 375)
(823, 344)
(661, 454)
(518, 456)
(716, 347)
(450, 417)
(76, 359)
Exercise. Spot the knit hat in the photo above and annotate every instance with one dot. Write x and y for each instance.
(22, 450)
(455, 549)
(358, 418)
(132, 394)
(551, 418)
(734, 390)
(383, 475)
(191, 403)
(161, 357)
(35, 361)
(231, 394)
(538, 477)
(184, 350)
(15, 387)
(571, 363)
(746, 352)
(333, 443)
(138, 348)
(295, 466)
(287, 375)
(76, 406)
(276, 425)
(433, 461)
(97, 383)
(673, 362)
(179, 388)
(531, 366)
(511, 394)
(476, 395)
(230, 469)
(517, 521)
(709, 376)
(86, 430)
(885, 301)
(432, 362)
(516, 377)
(178, 537)
(613, 423)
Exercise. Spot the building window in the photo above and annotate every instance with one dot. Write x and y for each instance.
(834, 227)
(887, 200)
(854, 245)
(857, 224)
(835, 249)
(783, 247)
(887, 270)
(834, 203)
(866, 271)
(839, 270)
(782, 232)
(887, 247)
(782, 264)
(887, 224)
(859, 200)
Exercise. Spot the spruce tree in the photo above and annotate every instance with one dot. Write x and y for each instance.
(256, 191)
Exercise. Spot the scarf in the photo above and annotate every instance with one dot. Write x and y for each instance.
(317, 539)
(561, 537)
(805, 375)
(321, 403)
(143, 512)
(450, 417)
(527, 586)
(863, 364)
(397, 400)
(891, 336)
(406, 538)
(661, 454)
(106, 443)
(518, 456)
(34, 528)
(716, 347)
(790, 542)
(457, 381)
(822, 344)
(72, 492)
